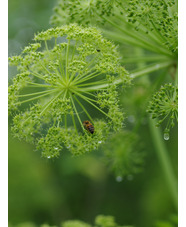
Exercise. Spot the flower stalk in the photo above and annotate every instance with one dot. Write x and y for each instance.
(165, 161)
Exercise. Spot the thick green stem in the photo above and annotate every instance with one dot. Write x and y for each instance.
(141, 72)
(147, 58)
(164, 160)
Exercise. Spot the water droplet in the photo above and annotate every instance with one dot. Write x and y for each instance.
(130, 177)
(48, 157)
(119, 178)
(99, 141)
(131, 119)
(166, 136)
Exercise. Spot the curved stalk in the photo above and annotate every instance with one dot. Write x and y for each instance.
(164, 160)
(141, 72)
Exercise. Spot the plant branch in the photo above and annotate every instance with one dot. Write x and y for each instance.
(141, 72)
(164, 160)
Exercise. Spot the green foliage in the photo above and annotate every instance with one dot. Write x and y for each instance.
(75, 224)
(105, 221)
(100, 221)
(67, 71)
(172, 222)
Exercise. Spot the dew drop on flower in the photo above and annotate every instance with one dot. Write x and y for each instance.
(166, 136)
(119, 178)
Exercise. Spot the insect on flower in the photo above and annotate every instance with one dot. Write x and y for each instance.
(88, 126)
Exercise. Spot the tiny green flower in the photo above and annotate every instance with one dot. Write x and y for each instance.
(85, 11)
(158, 19)
(157, 16)
(62, 81)
(79, 11)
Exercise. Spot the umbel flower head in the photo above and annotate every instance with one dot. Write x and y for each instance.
(158, 19)
(67, 77)
(123, 153)
(84, 11)
(164, 105)
(158, 16)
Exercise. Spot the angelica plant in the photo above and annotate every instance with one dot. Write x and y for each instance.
(148, 25)
(69, 77)
(71, 74)
(149, 29)
(157, 19)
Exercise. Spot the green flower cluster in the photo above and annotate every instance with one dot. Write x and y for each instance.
(84, 11)
(62, 76)
(164, 105)
(123, 153)
(155, 16)
(73, 11)
(158, 19)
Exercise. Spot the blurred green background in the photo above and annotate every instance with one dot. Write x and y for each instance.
(52, 191)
